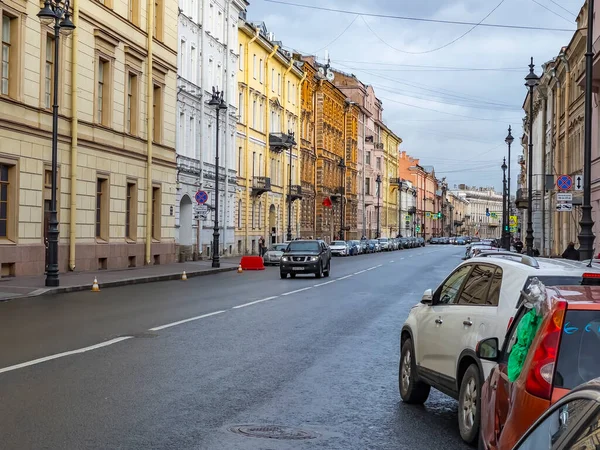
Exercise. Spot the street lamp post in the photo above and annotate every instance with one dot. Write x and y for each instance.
(378, 181)
(219, 104)
(586, 234)
(531, 81)
(400, 183)
(342, 166)
(509, 140)
(505, 237)
(57, 12)
(289, 227)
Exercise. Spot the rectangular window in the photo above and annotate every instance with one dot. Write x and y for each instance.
(4, 200)
(288, 90)
(367, 186)
(193, 64)
(49, 72)
(158, 16)
(378, 163)
(254, 66)
(368, 158)
(241, 58)
(241, 107)
(182, 60)
(131, 212)
(260, 70)
(103, 92)
(279, 83)
(262, 117)
(254, 114)
(102, 204)
(272, 80)
(157, 114)
(131, 107)
(240, 168)
(6, 54)
(133, 12)
(156, 216)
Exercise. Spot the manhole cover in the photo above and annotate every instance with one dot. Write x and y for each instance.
(273, 432)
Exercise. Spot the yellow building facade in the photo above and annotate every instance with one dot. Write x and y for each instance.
(269, 83)
(390, 183)
(116, 156)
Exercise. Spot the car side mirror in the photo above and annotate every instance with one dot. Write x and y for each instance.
(487, 349)
(427, 298)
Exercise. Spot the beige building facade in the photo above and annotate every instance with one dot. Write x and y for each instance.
(116, 155)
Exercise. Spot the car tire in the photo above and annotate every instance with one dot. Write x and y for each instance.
(328, 271)
(319, 273)
(282, 275)
(469, 401)
(411, 390)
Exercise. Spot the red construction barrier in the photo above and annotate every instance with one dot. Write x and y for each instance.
(252, 263)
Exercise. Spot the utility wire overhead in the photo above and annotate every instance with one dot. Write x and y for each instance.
(338, 36)
(553, 12)
(419, 19)
(563, 8)
(437, 48)
(377, 63)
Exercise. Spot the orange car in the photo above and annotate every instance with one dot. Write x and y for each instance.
(562, 355)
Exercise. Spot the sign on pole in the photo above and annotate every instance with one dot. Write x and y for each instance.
(579, 182)
(564, 197)
(513, 221)
(564, 183)
(201, 210)
(427, 214)
(564, 207)
(201, 197)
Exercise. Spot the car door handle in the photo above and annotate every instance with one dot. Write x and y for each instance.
(467, 323)
(439, 321)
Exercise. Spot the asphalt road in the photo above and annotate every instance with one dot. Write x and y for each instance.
(185, 365)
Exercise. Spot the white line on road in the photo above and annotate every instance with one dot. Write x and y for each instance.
(380, 265)
(391, 261)
(62, 355)
(371, 268)
(401, 258)
(347, 276)
(254, 302)
(298, 290)
(359, 272)
(191, 319)
(323, 284)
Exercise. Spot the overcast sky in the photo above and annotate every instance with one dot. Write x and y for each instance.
(441, 126)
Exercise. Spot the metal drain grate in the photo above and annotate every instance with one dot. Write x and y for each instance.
(273, 432)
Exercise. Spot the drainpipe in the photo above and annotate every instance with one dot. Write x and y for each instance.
(149, 122)
(247, 140)
(74, 123)
(227, 140)
(285, 188)
(267, 159)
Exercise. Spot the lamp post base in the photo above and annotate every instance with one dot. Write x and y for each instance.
(216, 262)
(586, 235)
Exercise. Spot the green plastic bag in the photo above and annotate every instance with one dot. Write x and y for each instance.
(526, 331)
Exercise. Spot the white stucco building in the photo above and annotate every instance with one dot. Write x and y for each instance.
(208, 56)
(484, 211)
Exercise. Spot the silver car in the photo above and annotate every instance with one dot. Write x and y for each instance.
(274, 254)
(339, 248)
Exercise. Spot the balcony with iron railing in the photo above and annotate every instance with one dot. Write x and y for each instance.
(278, 142)
(521, 198)
(395, 182)
(260, 185)
(295, 192)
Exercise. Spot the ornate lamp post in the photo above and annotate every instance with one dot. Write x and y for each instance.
(505, 237)
(378, 181)
(586, 234)
(57, 12)
(342, 166)
(531, 81)
(219, 104)
(289, 227)
(509, 140)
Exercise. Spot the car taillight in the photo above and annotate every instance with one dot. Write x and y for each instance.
(510, 321)
(541, 374)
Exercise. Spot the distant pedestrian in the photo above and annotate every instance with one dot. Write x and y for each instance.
(571, 252)
(261, 246)
(518, 246)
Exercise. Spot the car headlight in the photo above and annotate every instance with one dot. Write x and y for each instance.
(314, 258)
(285, 258)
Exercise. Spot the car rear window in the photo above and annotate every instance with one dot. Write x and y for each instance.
(303, 247)
(578, 360)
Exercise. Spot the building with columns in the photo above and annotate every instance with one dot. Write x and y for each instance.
(268, 156)
(390, 213)
(209, 56)
(484, 210)
(116, 136)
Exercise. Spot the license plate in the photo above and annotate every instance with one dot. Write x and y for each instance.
(297, 268)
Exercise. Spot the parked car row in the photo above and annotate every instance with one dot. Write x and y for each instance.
(509, 336)
(456, 240)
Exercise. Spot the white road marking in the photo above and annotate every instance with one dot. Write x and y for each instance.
(62, 355)
(359, 272)
(254, 302)
(191, 319)
(391, 261)
(347, 276)
(380, 265)
(371, 268)
(401, 258)
(323, 284)
(298, 290)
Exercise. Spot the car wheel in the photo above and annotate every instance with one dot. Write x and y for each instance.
(319, 273)
(411, 390)
(469, 411)
(328, 270)
(292, 275)
(282, 275)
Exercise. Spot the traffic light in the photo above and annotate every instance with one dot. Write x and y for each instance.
(487, 211)
(506, 228)
(439, 215)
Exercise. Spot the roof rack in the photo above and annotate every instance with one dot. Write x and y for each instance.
(523, 259)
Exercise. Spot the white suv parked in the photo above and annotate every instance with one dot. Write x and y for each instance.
(477, 300)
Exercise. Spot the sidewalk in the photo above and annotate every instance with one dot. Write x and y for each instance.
(20, 287)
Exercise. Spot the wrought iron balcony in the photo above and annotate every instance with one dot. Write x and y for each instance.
(458, 223)
(295, 193)
(260, 185)
(521, 199)
(395, 182)
(339, 191)
(379, 145)
(279, 142)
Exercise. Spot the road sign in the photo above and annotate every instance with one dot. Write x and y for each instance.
(579, 182)
(494, 215)
(564, 197)
(418, 228)
(427, 214)
(564, 207)
(513, 229)
(407, 217)
(201, 197)
(513, 221)
(564, 183)
(201, 210)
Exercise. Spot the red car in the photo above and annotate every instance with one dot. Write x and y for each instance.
(563, 354)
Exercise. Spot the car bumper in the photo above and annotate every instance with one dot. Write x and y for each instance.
(293, 267)
(339, 252)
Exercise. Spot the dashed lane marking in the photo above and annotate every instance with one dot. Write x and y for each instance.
(323, 284)
(191, 319)
(297, 290)
(255, 302)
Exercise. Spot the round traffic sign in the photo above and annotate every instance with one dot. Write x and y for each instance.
(201, 197)
(564, 182)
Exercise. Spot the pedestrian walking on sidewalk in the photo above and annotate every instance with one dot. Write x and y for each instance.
(261, 246)
(571, 252)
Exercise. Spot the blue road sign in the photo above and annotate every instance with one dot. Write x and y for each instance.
(201, 197)
(564, 183)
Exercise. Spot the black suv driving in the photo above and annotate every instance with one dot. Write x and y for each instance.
(302, 257)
